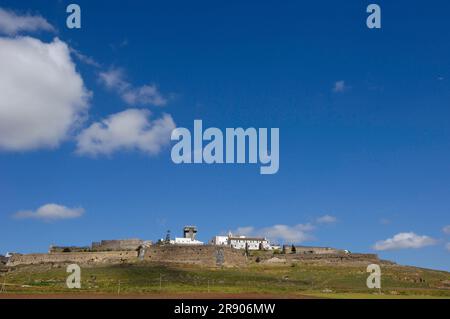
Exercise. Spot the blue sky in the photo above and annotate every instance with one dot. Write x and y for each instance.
(363, 117)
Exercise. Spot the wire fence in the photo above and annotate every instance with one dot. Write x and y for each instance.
(167, 283)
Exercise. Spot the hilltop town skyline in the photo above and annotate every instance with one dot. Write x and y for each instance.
(362, 116)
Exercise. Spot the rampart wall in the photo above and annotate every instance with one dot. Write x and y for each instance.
(80, 258)
(333, 257)
(208, 255)
(311, 250)
(121, 244)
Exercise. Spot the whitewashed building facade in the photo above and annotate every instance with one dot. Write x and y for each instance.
(220, 241)
(243, 242)
(185, 241)
(250, 243)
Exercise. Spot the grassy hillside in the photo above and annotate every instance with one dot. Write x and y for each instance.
(339, 281)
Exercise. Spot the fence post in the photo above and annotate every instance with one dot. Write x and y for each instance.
(3, 285)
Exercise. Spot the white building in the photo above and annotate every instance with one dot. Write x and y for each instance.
(250, 243)
(189, 233)
(185, 241)
(220, 241)
(243, 242)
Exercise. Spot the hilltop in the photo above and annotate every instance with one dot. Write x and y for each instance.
(270, 278)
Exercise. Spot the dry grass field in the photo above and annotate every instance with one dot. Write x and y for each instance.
(290, 280)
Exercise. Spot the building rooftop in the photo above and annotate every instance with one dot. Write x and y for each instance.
(247, 238)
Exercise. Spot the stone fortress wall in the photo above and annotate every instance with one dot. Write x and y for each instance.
(104, 245)
(333, 258)
(305, 250)
(68, 249)
(207, 256)
(210, 256)
(134, 250)
(104, 257)
(3, 261)
(116, 245)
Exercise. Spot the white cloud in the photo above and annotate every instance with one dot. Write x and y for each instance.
(291, 234)
(340, 87)
(326, 219)
(84, 58)
(12, 23)
(50, 212)
(42, 96)
(144, 95)
(131, 129)
(114, 79)
(245, 231)
(447, 246)
(403, 241)
(446, 229)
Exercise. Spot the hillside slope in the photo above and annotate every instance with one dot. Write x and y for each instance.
(290, 280)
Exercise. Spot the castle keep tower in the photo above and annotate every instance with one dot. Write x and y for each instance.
(190, 232)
